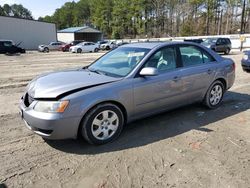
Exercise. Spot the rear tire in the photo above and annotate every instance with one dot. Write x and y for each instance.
(107, 48)
(214, 95)
(96, 50)
(102, 124)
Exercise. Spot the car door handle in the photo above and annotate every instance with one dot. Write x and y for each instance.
(209, 71)
(176, 78)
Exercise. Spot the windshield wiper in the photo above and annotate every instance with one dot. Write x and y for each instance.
(96, 71)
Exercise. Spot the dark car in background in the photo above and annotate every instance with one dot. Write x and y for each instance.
(8, 47)
(65, 48)
(198, 41)
(218, 44)
(245, 62)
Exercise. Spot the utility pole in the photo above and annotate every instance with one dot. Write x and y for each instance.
(242, 25)
(242, 18)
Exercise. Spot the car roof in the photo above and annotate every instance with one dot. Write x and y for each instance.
(148, 45)
(3, 40)
(151, 45)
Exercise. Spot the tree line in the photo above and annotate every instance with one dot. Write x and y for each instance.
(151, 18)
(16, 10)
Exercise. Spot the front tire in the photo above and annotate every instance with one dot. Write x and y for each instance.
(96, 50)
(102, 124)
(79, 50)
(214, 95)
(46, 50)
(227, 51)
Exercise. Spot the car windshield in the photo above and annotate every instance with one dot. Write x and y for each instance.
(119, 62)
(210, 40)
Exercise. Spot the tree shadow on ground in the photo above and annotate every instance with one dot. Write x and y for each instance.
(162, 126)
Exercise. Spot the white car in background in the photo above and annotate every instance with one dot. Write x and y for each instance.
(108, 46)
(84, 47)
(50, 47)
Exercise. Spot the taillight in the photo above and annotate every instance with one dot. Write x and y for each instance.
(234, 66)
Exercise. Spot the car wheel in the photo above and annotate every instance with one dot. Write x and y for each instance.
(214, 95)
(46, 50)
(79, 50)
(102, 124)
(96, 50)
(227, 51)
(107, 48)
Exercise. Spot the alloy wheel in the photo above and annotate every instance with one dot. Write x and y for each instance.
(105, 125)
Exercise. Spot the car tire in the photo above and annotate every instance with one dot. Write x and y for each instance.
(79, 50)
(214, 95)
(107, 48)
(96, 50)
(46, 50)
(227, 51)
(102, 124)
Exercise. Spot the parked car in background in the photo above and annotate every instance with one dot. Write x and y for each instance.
(8, 47)
(84, 47)
(199, 41)
(108, 46)
(245, 62)
(121, 43)
(218, 44)
(131, 82)
(50, 47)
(65, 47)
(102, 42)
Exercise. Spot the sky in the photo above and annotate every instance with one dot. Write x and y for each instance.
(38, 7)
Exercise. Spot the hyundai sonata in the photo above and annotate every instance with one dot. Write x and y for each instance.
(128, 83)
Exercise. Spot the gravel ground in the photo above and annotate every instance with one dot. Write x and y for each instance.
(187, 147)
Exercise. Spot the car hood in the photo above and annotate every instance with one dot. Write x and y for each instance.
(54, 85)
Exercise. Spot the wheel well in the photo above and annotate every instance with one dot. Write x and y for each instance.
(223, 81)
(119, 105)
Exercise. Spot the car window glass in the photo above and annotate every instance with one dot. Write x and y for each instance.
(207, 58)
(119, 62)
(224, 41)
(7, 44)
(164, 60)
(191, 56)
(219, 41)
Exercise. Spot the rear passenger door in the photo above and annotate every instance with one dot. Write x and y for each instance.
(198, 71)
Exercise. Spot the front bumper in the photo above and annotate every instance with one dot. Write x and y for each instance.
(41, 49)
(49, 125)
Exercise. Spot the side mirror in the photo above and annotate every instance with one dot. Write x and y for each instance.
(149, 71)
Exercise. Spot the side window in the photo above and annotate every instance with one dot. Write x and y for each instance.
(219, 42)
(7, 44)
(164, 60)
(192, 56)
(224, 41)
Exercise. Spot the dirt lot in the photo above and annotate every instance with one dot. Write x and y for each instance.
(187, 147)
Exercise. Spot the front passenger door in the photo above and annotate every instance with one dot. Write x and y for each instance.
(156, 93)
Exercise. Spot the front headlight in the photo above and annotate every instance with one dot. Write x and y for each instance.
(51, 106)
(245, 57)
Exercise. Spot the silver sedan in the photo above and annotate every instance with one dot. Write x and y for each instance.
(131, 82)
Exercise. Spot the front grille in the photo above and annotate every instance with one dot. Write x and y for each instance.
(28, 100)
